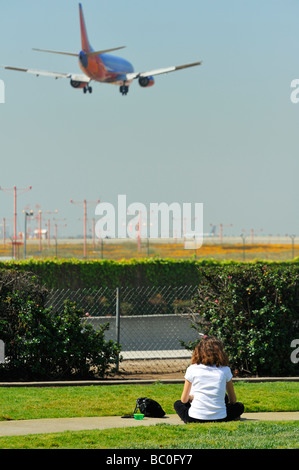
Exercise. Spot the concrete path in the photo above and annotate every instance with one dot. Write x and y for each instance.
(40, 426)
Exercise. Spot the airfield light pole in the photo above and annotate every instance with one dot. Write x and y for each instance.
(85, 202)
(292, 237)
(139, 233)
(55, 232)
(93, 234)
(3, 225)
(221, 227)
(40, 230)
(15, 189)
(27, 214)
(49, 212)
(243, 239)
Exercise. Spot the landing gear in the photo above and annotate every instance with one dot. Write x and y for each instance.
(124, 89)
(86, 89)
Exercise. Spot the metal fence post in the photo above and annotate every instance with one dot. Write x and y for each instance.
(117, 322)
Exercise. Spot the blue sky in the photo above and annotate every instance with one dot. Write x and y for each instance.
(224, 134)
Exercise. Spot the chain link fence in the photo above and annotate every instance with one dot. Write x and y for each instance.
(148, 322)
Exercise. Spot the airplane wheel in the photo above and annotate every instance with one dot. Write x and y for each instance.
(84, 90)
(124, 90)
(90, 89)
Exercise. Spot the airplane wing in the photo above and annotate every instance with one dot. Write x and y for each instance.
(151, 73)
(56, 75)
(88, 54)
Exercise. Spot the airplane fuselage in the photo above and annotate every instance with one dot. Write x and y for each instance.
(105, 68)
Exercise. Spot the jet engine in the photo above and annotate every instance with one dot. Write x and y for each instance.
(77, 84)
(146, 82)
(80, 81)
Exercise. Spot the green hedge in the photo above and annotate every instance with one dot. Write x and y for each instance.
(254, 310)
(75, 274)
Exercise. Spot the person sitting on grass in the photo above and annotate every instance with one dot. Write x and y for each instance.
(206, 381)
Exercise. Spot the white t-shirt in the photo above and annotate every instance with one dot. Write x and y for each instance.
(208, 388)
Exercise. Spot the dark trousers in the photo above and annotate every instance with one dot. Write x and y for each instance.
(233, 412)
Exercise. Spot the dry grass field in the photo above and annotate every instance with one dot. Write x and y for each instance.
(232, 248)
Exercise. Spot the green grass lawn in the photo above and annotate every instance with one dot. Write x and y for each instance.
(233, 435)
(116, 400)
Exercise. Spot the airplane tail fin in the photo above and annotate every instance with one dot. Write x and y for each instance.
(86, 47)
(84, 38)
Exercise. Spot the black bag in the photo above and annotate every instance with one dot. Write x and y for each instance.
(149, 407)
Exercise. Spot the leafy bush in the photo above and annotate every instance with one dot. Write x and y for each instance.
(254, 310)
(26, 283)
(43, 344)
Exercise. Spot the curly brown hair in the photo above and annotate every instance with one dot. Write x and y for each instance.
(209, 351)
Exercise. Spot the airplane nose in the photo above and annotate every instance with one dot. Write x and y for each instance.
(83, 59)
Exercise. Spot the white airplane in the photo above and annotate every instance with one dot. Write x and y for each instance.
(101, 67)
